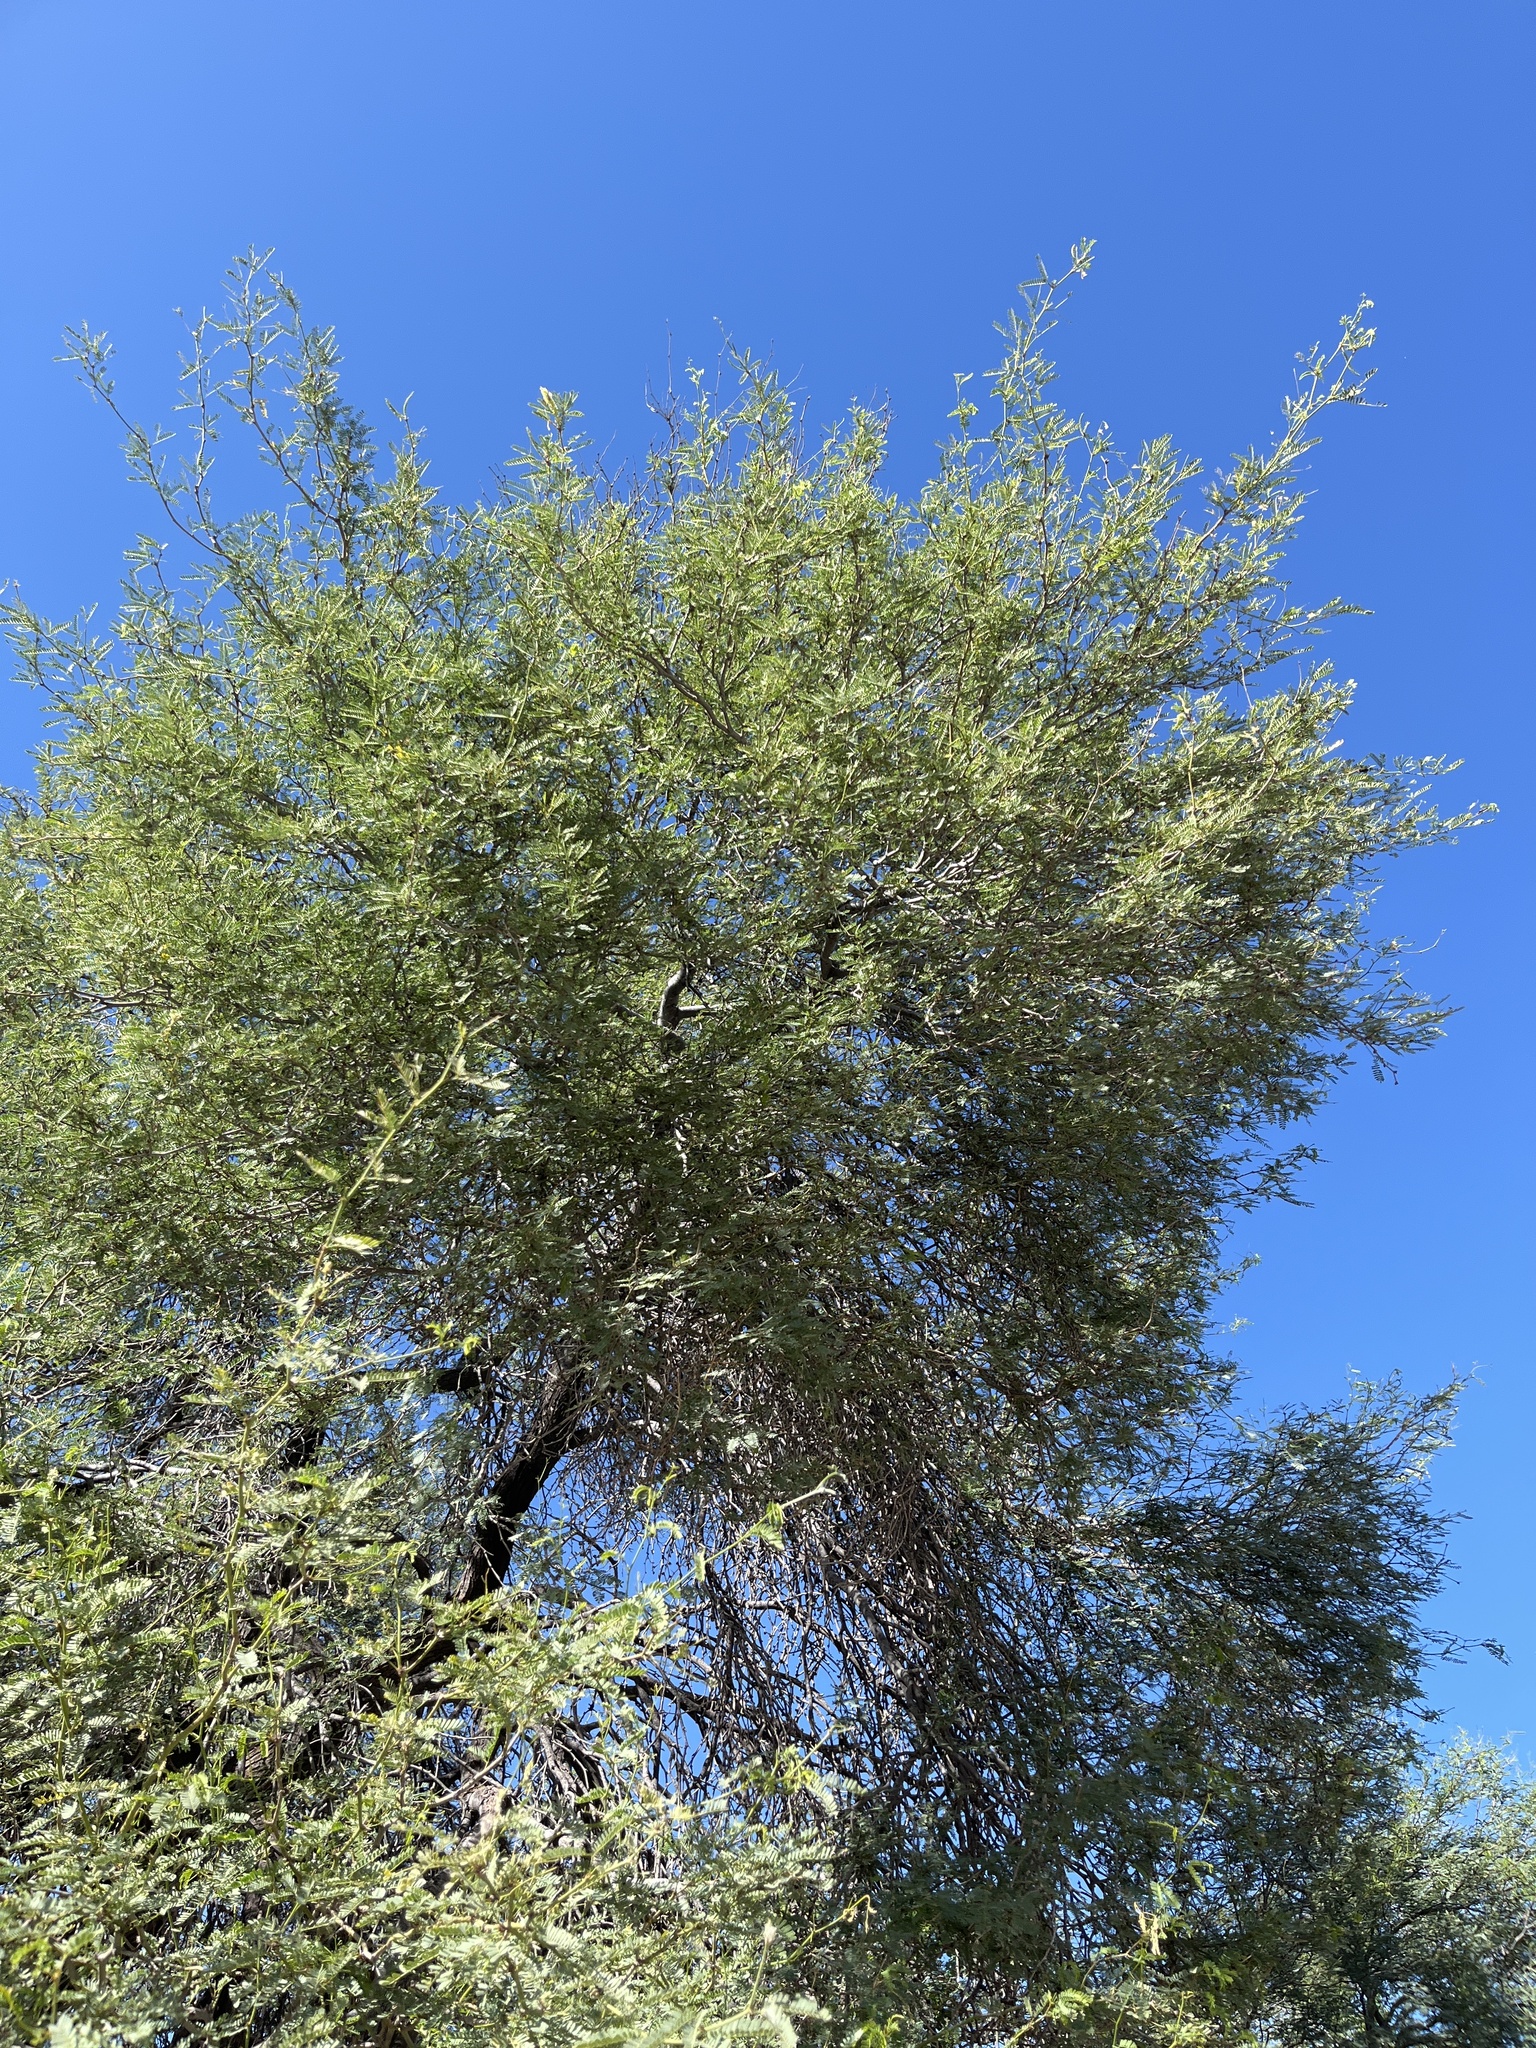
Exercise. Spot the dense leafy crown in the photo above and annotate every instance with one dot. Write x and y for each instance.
(538, 1034)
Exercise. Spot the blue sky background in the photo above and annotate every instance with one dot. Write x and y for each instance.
(485, 196)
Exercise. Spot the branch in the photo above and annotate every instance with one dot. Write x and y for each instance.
(562, 1410)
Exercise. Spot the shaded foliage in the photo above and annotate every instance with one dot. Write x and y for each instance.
(1422, 1930)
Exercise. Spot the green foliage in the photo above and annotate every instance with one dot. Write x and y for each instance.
(724, 989)
(1422, 1931)
(241, 1803)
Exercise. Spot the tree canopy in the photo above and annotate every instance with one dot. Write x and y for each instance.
(618, 1113)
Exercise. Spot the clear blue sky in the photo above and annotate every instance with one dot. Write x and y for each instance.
(485, 196)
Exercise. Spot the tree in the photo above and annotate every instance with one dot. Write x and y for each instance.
(1423, 1932)
(724, 988)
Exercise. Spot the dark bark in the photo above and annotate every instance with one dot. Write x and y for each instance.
(561, 1412)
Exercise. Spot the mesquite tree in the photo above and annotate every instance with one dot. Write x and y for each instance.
(687, 994)
(1421, 1930)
